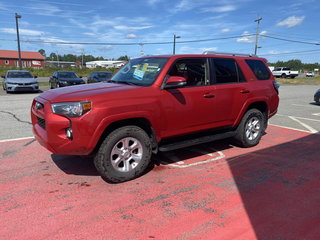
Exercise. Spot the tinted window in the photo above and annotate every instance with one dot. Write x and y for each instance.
(226, 71)
(259, 69)
(67, 75)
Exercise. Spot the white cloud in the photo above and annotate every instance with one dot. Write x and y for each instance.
(220, 9)
(26, 32)
(127, 28)
(153, 2)
(225, 30)
(213, 49)
(131, 36)
(249, 37)
(291, 22)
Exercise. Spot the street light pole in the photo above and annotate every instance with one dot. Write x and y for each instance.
(18, 40)
(174, 43)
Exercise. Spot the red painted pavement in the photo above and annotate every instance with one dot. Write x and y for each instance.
(212, 191)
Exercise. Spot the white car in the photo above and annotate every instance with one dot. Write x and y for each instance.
(20, 81)
(310, 74)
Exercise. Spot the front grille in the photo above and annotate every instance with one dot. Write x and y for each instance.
(42, 123)
(24, 89)
(25, 84)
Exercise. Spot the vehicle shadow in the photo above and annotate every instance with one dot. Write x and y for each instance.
(186, 155)
(280, 189)
(75, 165)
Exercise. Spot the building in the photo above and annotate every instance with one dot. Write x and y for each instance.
(105, 64)
(28, 59)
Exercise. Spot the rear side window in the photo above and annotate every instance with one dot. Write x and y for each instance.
(259, 69)
(227, 71)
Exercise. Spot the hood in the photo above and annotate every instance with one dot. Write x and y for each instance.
(20, 80)
(85, 91)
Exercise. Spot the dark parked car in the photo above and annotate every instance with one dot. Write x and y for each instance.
(20, 81)
(99, 77)
(64, 79)
(317, 96)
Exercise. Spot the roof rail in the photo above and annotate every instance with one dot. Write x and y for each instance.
(230, 54)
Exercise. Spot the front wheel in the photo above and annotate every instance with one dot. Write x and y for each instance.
(250, 129)
(125, 154)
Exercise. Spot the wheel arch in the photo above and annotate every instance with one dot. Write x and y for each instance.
(262, 107)
(141, 122)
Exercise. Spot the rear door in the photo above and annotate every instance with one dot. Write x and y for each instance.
(231, 89)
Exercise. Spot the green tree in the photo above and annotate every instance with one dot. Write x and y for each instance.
(42, 52)
(124, 58)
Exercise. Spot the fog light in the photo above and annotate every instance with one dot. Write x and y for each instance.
(69, 133)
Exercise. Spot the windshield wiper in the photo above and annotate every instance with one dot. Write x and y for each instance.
(121, 82)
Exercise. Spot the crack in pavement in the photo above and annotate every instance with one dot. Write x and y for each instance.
(13, 115)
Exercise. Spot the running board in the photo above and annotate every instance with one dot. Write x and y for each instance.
(195, 141)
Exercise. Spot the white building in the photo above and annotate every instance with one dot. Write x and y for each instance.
(105, 64)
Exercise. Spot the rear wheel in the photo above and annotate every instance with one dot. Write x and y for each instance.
(250, 129)
(125, 154)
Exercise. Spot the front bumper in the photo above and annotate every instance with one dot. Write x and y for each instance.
(23, 87)
(50, 130)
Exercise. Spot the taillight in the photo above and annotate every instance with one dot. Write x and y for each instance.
(276, 86)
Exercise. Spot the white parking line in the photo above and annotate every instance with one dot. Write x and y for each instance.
(15, 139)
(290, 128)
(301, 105)
(303, 118)
(312, 130)
(214, 156)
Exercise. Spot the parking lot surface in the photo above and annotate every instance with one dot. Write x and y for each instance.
(210, 191)
(215, 190)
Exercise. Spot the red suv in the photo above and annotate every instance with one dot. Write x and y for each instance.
(157, 103)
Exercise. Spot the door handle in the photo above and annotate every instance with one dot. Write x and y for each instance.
(245, 91)
(208, 95)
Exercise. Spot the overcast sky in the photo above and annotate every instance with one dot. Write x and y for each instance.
(228, 24)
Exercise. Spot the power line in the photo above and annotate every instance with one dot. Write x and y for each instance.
(285, 53)
(290, 40)
(126, 44)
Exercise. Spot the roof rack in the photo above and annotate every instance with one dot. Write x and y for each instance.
(230, 54)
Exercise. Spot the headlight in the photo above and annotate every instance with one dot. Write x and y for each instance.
(71, 109)
(63, 82)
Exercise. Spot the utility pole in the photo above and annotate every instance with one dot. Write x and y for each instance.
(174, 43)
(257, 34)
(18, 40)
(141, 49)
(82, 53)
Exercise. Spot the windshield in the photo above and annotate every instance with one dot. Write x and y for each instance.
(19, 75)
(141, 71)
(67, 75)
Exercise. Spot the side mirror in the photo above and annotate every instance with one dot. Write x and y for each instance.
(35, 76)
(175, 82)
(3, 76)
(80, 76)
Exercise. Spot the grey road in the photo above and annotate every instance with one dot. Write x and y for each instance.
(296, 111)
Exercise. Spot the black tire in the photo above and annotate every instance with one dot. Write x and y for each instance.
(250, 129)
(284, 75)
(119, 163)
(51, 85)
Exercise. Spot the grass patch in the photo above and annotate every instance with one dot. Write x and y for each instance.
(299, 81)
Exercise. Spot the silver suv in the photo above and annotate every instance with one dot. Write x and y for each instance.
(20, 81)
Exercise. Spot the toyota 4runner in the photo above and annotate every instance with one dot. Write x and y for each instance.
(157, 103)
